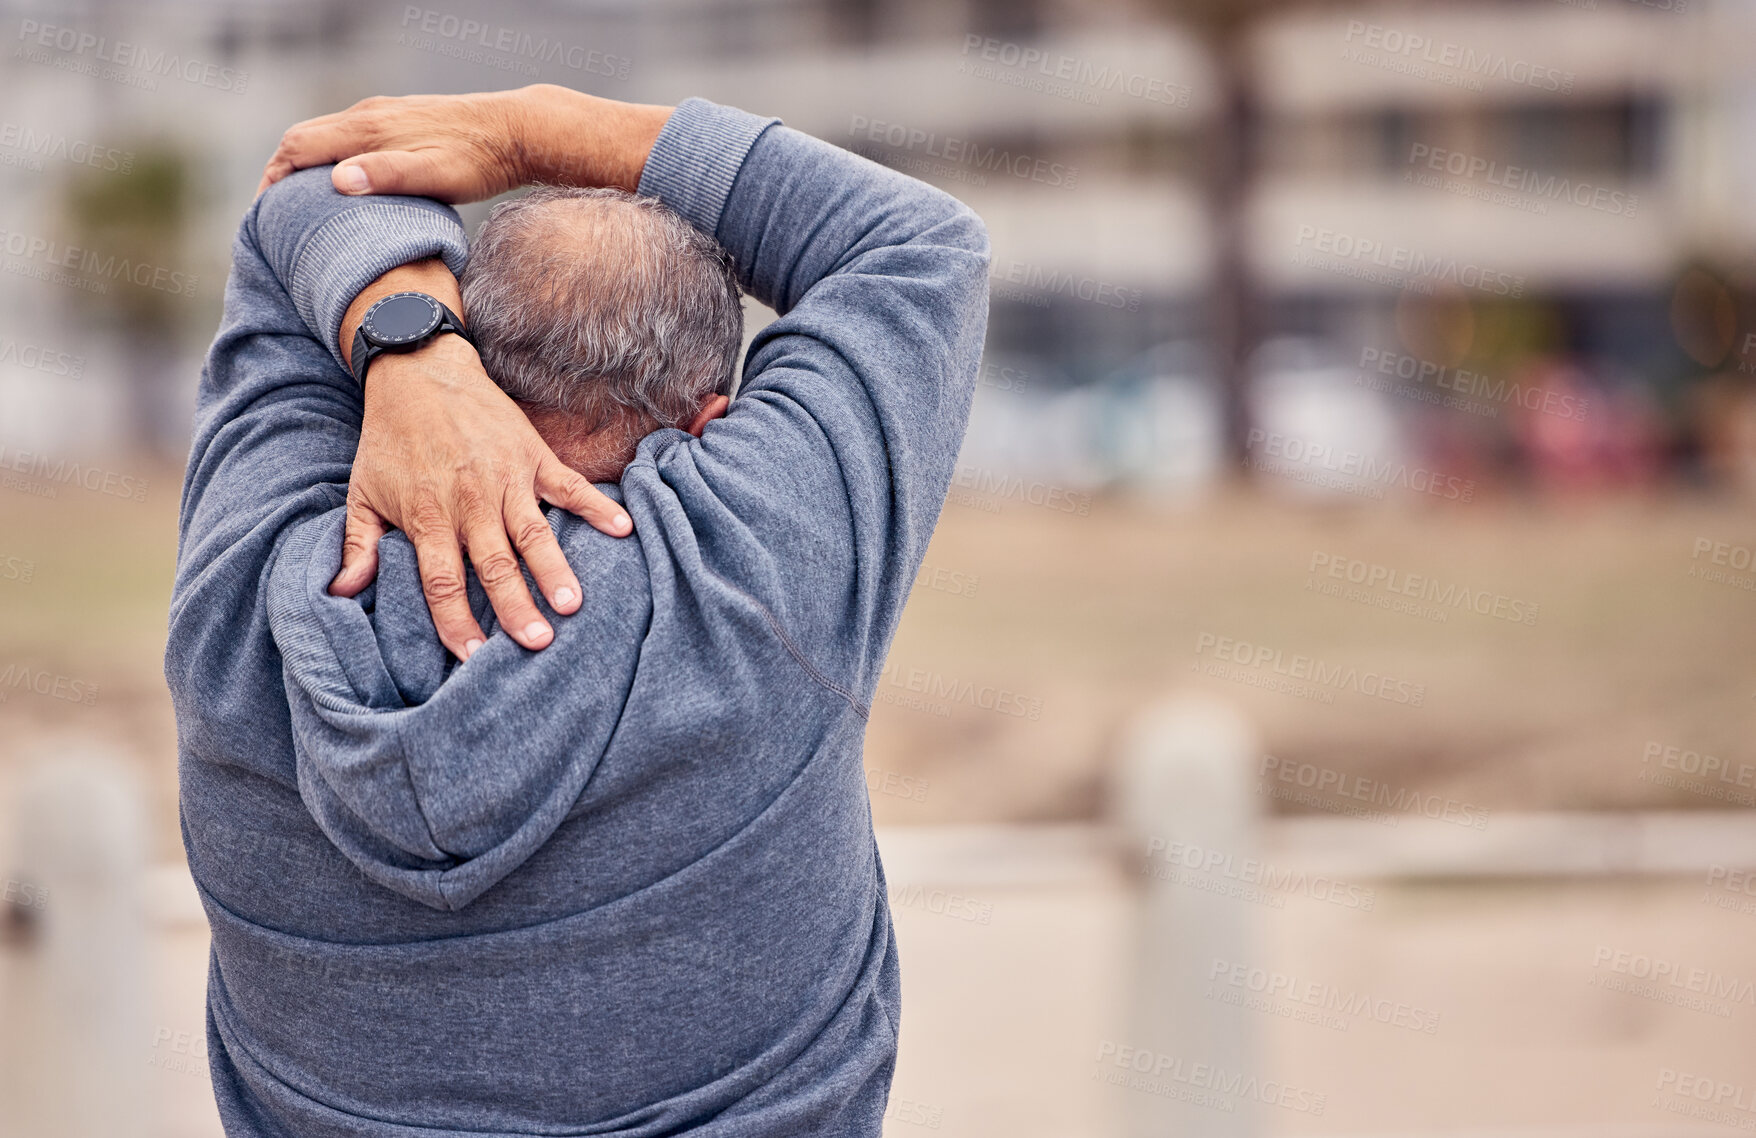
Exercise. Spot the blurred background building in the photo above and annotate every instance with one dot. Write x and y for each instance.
(1565, 199)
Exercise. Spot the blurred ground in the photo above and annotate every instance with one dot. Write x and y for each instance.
(1627, 648)
(1525, 1041)
(1531, 1035)
(1079, 620)
(1093, 615)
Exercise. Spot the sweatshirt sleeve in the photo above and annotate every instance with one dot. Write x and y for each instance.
(820, 489)
(276, 427)
(326, 247)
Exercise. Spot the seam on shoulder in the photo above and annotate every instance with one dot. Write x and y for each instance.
(811, 670)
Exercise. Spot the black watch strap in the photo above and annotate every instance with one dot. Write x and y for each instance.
(365, 351)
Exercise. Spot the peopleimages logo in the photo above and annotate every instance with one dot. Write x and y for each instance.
(1398, 50)
(1727, 564)
(461, 36)
(53, 254)
(945, 690)
(42, 473)
(1291, 455)
(1709, 775)
(962, 154)
(909, 787)
(1376, 262)
(1203, 1084)
(1698, 989)
(1694, 762)
(49, 685)
(1063, 76)
(1322, 781)
(1707, 1091)
(1724, 886)
(1309, 670)
(128, 57)
(1320, 995)
(1732, 880)
(1003, 377)
(39, 358)
(1165, 858)
(915, 1113)
(1033, 285)
(988, 490)
(24, 894)
(942, 903)
(1520, 180)
(184, 1052)
(15, 568)
(943, 580)
(1705, 1098)
(1430, 590)
(37, 146)
(1472, 384)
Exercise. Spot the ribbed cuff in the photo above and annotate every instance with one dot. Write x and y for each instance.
(697, 157)
(355, 248)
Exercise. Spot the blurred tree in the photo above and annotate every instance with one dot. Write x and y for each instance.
(1224, 27)
(137, 217)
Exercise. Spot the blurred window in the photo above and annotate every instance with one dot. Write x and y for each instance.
(1006, 19)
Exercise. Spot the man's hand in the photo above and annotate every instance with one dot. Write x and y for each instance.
(449, 459)
(445, 455)
(464, 148)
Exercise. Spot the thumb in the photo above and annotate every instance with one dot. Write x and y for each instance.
(391, 172)
(359, 550)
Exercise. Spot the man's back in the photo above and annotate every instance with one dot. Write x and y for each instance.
(626, 884)
(715, 850)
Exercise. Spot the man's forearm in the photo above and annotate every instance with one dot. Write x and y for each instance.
(571, 138)
(558, 136)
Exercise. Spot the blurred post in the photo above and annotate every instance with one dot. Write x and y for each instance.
(1185, 799)
(78, 1005)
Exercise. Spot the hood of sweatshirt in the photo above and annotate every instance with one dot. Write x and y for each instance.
(438, 778)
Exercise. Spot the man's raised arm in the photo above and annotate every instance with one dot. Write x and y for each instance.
(276, 425)
(445, 455)
(338, 254)
(881, 281)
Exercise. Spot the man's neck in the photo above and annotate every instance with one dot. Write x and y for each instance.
(600, 455)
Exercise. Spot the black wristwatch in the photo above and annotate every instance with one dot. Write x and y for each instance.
(401, 322)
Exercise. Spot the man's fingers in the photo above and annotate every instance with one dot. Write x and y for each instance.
(359, 550)
(416, 172)
(315, 142)
(497, 569)
(535, 541)
(565, 487)
(442, 581)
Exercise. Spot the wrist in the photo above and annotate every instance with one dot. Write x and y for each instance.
(446, 361)
(566, 137)
(428, 276)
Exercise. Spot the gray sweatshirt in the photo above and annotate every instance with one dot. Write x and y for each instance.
(626, 885)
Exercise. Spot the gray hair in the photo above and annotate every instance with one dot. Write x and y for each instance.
(603, 305)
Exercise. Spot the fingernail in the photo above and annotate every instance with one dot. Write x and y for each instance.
(536, 630)
(469, 648)
(354, 180)
(564, 596)
(620, 521)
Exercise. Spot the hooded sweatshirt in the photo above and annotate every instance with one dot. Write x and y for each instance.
(626, 885)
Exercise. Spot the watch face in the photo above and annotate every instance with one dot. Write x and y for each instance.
(401, 319)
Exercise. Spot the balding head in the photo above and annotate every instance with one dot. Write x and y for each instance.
(605, 315)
